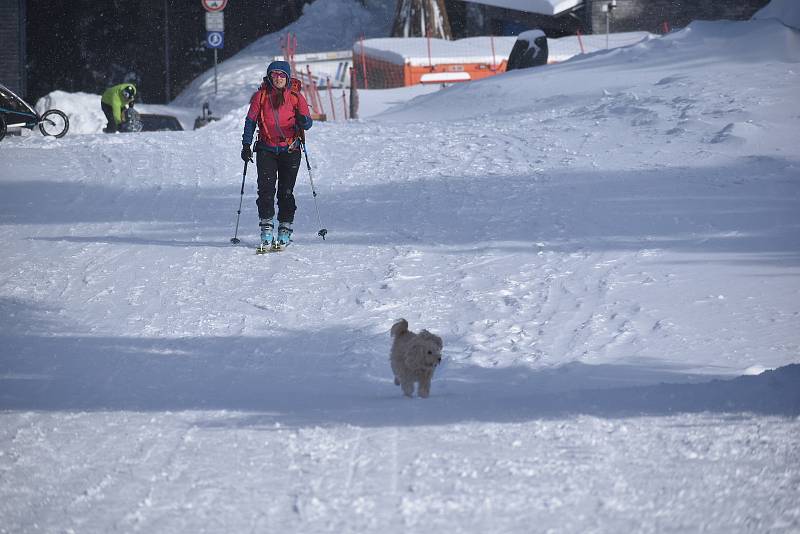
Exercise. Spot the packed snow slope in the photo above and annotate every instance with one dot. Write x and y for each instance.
(609, 247)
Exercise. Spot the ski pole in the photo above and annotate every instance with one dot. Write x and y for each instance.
(234, 239)
(322, 232)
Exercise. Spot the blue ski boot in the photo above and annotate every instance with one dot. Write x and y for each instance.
(266, 234)
(284, 234)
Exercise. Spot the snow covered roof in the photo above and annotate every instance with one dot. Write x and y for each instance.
(414, 50)
(563, 48)
(543, 7)
(531, 35)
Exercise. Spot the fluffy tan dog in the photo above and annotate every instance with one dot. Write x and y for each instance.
(414, 357)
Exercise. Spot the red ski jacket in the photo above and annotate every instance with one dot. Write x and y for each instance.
(277, 128)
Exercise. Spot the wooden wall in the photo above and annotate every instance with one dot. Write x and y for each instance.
(12, 45)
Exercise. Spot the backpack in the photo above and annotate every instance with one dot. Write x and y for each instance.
(293, 95)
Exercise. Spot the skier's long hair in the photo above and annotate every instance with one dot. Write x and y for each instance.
(276, 96)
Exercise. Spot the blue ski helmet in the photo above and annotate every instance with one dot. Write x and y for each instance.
(281, 66)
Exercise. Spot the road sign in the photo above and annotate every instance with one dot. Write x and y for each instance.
(215, 21)
(215, 39)
(214, 5)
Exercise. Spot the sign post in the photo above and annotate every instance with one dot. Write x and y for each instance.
(215, 29)
(214, 5)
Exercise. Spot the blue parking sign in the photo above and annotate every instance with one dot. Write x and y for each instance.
(215, 39)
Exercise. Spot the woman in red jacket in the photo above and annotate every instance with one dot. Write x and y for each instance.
(280, 113)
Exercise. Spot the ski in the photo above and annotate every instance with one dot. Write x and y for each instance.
(267, 249)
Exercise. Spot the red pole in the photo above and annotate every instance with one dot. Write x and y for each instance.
(666, 27)
(430, 60)
(312, 88)
(344, 105)
(364, 63)
(580, 41)
(318, 97)
(289, 48)
(294, 51)
(306, 94)
(330, 97)
(494, 57)
(316, 93)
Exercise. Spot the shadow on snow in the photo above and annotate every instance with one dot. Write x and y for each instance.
(750, 209)
(337, 376)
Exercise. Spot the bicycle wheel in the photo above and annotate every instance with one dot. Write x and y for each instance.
(54, 122)
(2, 127)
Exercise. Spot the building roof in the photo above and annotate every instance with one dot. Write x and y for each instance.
(543, 7)
(414, 50)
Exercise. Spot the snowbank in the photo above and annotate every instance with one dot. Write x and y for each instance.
(83, 109)
(786, 11)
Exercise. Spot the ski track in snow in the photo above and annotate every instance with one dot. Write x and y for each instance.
(588, 286)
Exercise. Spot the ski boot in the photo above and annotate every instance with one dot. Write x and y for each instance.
(266, 235)
(284, 235)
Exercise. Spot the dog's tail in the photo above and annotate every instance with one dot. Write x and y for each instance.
(400, 327)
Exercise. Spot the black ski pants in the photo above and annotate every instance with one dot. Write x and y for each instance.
(277, 173)
(111, 127)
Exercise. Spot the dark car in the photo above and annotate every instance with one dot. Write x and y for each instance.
(159, 123)
(530, 50)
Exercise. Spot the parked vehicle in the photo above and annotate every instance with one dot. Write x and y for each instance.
(148, 122)
(16, 113)
(158, 123)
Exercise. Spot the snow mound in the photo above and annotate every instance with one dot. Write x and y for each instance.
(83, 109)
(786, 11)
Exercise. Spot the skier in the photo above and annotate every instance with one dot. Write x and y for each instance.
(114, 101)
(281, 114)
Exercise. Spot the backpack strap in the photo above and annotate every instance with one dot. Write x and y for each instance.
(263, 97)
(264, 100)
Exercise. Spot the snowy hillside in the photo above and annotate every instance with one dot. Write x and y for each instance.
(609, 248)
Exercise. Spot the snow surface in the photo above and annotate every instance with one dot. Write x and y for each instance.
(608, 246)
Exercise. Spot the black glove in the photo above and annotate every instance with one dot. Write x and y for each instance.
(247, 153)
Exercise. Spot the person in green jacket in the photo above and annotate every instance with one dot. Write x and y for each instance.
(114, 101)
